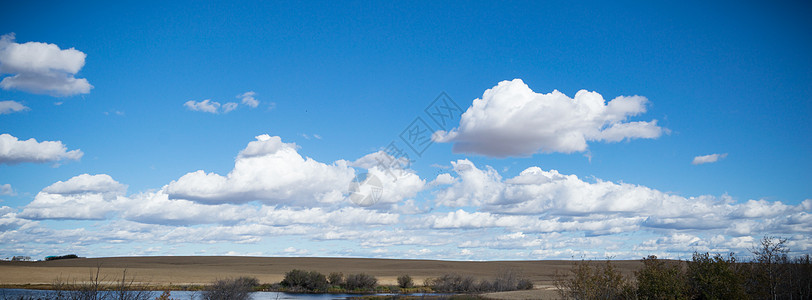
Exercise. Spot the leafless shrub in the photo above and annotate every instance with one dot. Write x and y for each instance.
(484, 286)
(96, 289)
(336, 278)
(233, 289)
(305, 281)
(506, 280)
(405, 281)
(360, 282)
(452, 282)
(524, 284)
(594, 281)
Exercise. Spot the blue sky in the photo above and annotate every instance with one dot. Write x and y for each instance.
(696, 136)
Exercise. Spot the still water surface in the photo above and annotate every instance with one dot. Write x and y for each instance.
(182, 295)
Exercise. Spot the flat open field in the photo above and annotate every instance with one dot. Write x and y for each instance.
(198, 270)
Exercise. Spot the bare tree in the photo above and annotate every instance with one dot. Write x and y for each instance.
(770, 265)
(233, 289)
(405, 281)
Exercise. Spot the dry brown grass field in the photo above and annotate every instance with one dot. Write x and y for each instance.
(199, 270)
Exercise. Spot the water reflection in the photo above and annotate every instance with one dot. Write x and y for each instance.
(192, 295)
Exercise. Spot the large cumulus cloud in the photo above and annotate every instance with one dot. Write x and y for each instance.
(41, 68)
(271, 171)
(83, 197)
(539, 200)
(512, 120)
(14, 150)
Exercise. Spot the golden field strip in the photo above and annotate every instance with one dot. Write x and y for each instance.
(163, 271)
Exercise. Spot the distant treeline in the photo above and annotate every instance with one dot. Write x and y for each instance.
(69, 256)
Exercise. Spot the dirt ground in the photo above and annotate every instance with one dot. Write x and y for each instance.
(539, 293)
(199, 270)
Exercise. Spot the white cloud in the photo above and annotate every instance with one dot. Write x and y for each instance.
(86, 206)
(382, 159)
(471, 210)
(13, 151)
(442, 179)
(620, 131)
(710, 158)
(240, 234)
(41, 68)
(807, 205)
(270, 171)
(215, 107)
(397, 184)
(324, 217)
(209, 106)
(83, 197)
(5, 189)
(315, 136)
(463, 219)
(229, 107)
(204, 106)
(541, 201)
(512, 120)
(681, 242)
(85, 183)
(9, 221)
(117, 112)
(98, 196)
(473, 188)
(295, 252)
(248, 99)
(7, 107)
(536, 191)
(687, 243)
(273, 172)
(408, 207)
(157, 208)
(762, 209)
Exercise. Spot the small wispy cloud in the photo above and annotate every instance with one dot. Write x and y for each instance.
(115, 112)
(315, 136)
(248, 99)
(229, 107)
(215, 107)
(5, 189)
(8, 107)
(209, 106)
(710, 158)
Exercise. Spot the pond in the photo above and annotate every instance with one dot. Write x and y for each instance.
(195, 295)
